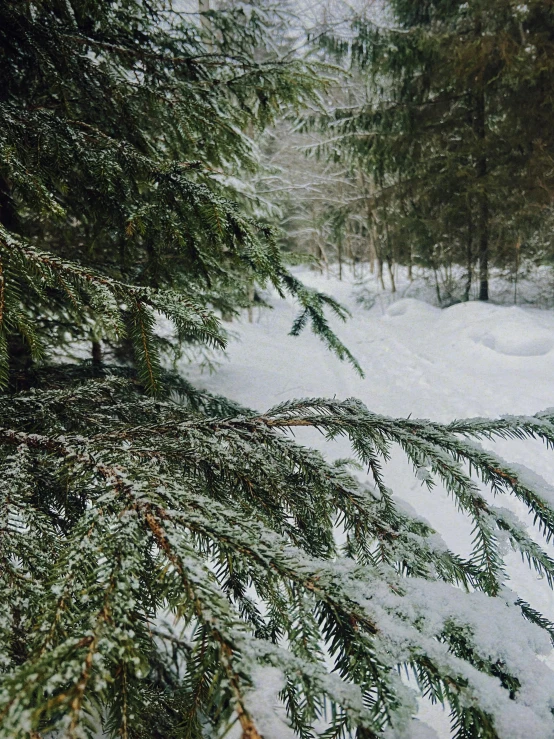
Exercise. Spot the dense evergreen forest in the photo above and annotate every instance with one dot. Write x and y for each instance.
(173, 564)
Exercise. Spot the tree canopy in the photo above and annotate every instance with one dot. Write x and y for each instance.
(447, 136)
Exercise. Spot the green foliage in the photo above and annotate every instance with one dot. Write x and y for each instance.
(140, 600)
(174, 565)
(122, 125)
(451, 131)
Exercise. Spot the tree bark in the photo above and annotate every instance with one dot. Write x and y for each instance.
(380, 273)
(376, 247)
(391, 276)
(469, 257)
(437, 286)
(484, 249)
(371, 259)
(517, 259)
(377, 252)
(483, 207)
(389, 255)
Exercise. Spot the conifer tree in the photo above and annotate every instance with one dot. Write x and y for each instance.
(455, 134)
(170, 563)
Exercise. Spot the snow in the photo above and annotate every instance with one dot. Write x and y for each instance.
(264, 705)
(510, 331)
(468, 360)
(413, 308)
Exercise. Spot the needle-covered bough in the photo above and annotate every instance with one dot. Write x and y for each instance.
(162, 559)
(171, 564)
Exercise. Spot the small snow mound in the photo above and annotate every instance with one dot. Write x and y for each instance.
(473, 310)
(513, 332)
(509, 331)
(412, 308)
(504, 340)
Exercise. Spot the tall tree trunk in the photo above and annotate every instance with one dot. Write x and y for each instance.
(391, 275)
(378, 256)
(380, 272)
(374, 252)
(483, 248)
(517, 255)
(437, 286)
(390, 256)
(469, 258)
(483, 207)
(371, 259)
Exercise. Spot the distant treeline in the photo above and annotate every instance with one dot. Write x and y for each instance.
(436, 147)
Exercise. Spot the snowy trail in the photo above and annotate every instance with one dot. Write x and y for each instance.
(417, 359)
(468, 360)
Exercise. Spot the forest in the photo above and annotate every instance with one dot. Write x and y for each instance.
(276, 302)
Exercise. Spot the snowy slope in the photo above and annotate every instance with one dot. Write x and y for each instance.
(471, 359)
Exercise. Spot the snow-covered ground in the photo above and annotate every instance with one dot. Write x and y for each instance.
(471, 359)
